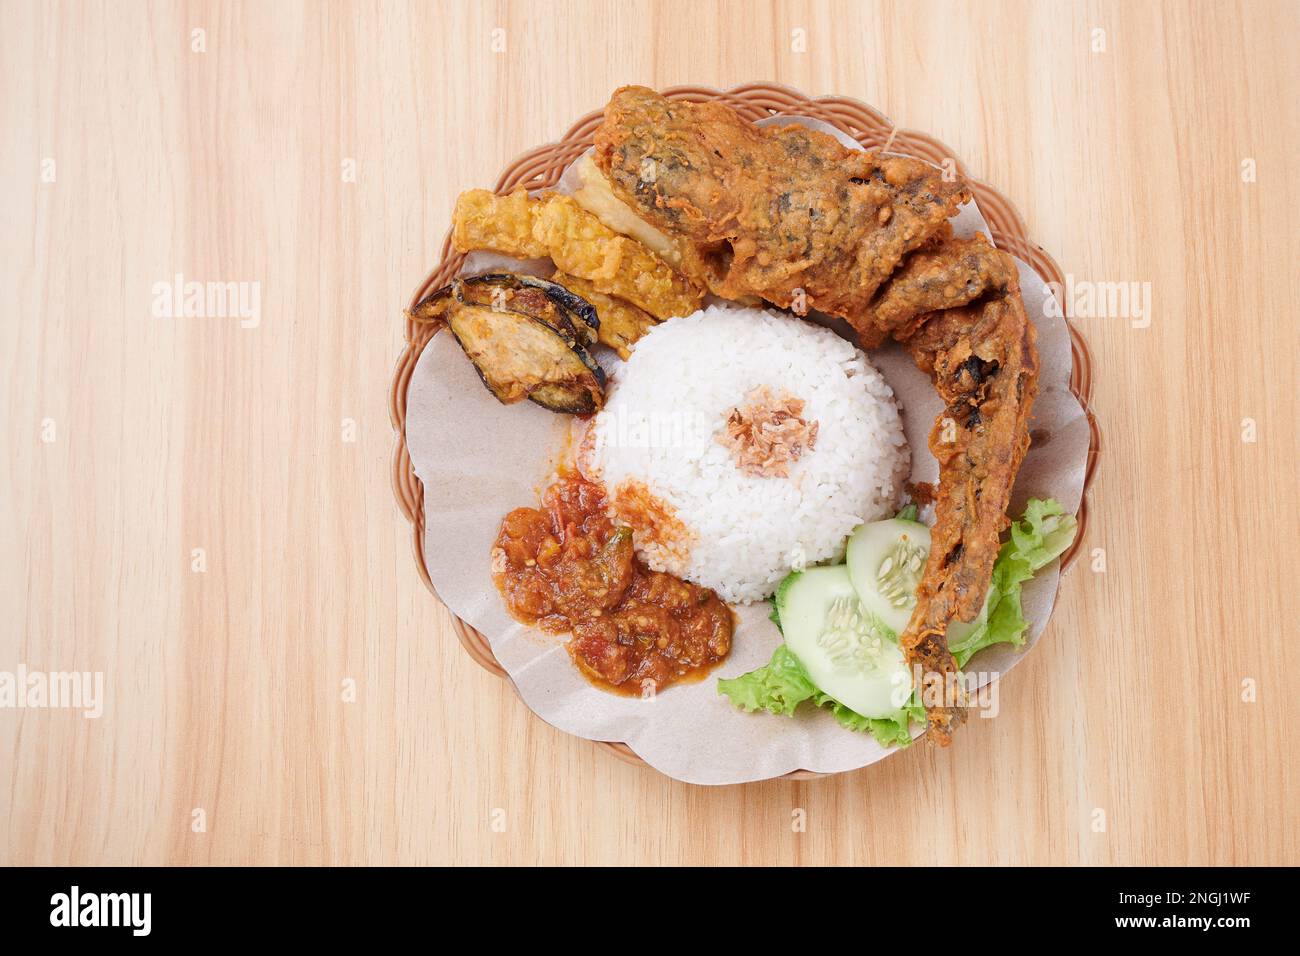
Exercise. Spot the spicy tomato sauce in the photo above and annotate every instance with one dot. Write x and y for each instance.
(568, 567)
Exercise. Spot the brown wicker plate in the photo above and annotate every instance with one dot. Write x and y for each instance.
(541, 168)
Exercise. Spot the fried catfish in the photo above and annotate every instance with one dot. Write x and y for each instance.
(982, 360)
(949, 274)
(787, 214)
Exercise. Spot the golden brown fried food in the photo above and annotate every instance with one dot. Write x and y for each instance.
(985, 367)
(595, 195)
(772, 212)
(621, 323)
(504, 224)
(775, 212)
(577, 242)
(948, 275)
(581, 245)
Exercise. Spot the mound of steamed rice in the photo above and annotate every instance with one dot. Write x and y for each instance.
(694, 511)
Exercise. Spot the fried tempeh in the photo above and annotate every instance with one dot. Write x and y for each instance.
(621, 322)
(504, 224)
(577, 242)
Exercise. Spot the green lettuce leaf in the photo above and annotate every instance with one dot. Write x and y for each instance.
(909, 513)
(1042, 535)
(782, 685)
(893, 729)
(778, 687)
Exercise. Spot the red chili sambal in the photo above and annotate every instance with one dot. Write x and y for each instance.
(569, 568)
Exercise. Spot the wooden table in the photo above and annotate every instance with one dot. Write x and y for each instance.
(199, 507)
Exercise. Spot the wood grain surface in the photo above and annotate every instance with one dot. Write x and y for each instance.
(199, 507)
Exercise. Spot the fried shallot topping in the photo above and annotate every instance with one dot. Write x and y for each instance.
(768, 433)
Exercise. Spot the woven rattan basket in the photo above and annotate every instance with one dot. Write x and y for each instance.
(541, 168)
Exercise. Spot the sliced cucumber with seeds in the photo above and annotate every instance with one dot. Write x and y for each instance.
(848, 652)
(886, 561)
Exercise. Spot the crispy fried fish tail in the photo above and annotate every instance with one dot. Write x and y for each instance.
(985, 367)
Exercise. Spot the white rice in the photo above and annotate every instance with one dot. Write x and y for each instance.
(736, 533)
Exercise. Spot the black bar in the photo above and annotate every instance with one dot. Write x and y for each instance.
(333, 906)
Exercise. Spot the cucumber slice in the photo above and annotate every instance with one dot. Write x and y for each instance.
(886, 560)
(849, 654)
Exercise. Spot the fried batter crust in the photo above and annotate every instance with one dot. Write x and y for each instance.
(621, 322)
(772, 212)
(948, 275)
(984, 365)
(577, 242)
(504, 224)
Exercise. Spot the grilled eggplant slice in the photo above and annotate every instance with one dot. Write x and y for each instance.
(433, 307)
(524, 339)
(570, 314)
(521, 356)
(583, 313)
